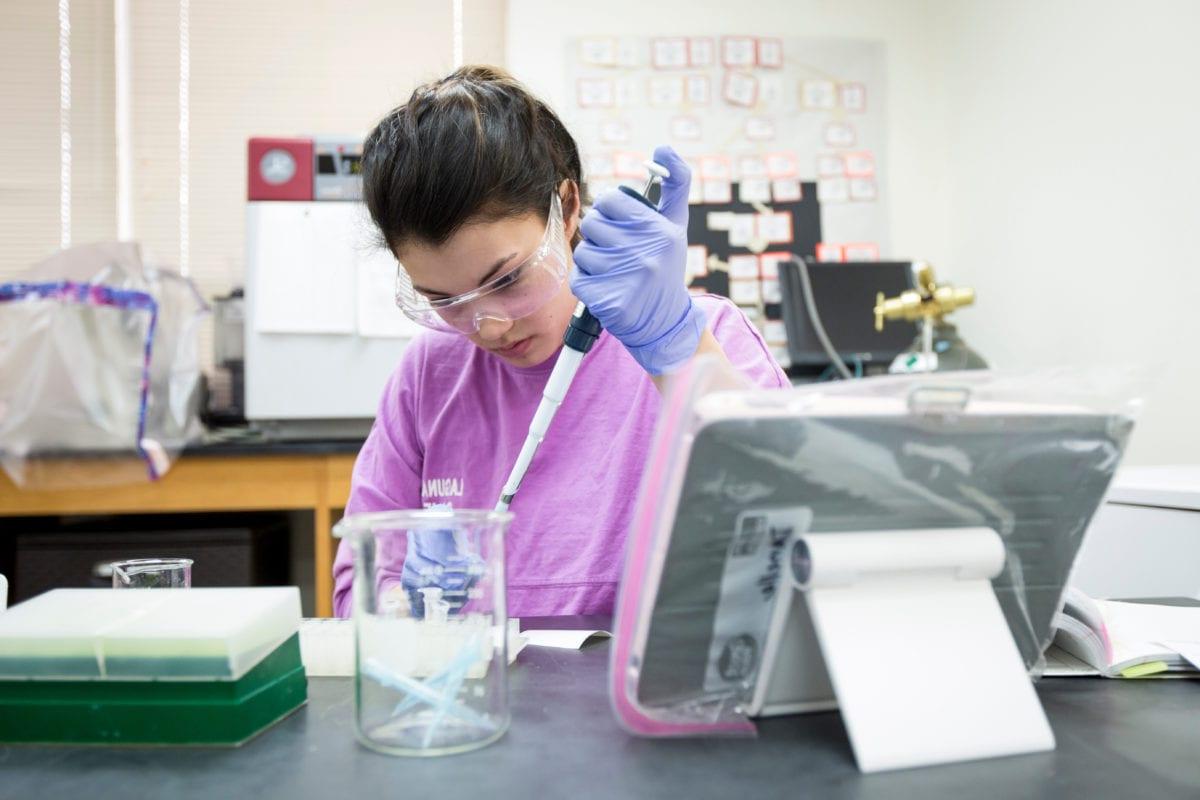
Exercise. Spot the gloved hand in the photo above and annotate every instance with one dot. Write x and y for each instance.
(435, 558)
(630, 271)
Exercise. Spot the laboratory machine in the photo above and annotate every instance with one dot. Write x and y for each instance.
(322, 332)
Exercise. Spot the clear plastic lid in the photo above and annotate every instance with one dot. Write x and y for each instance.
(145, 634)
(1028, 455)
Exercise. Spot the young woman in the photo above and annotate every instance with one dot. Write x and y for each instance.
(476, 187)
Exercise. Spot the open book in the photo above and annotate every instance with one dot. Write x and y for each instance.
(1123, 640)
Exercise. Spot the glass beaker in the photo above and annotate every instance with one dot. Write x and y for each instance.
(429, 628)
(152, 573)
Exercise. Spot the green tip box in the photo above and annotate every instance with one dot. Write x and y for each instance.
(158, 692)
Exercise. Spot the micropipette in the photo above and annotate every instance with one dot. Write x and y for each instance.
(582, 332)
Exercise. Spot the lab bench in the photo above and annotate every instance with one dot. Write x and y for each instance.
(244, 474)
(1116, 739)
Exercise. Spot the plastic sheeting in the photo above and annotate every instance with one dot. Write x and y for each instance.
(734, 474)
(99, 369)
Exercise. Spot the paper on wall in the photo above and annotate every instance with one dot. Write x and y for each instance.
(770, 53)
(719, 220)
(598, 51)
(751, 167)
(787, 190)
(854, 97)
(837, 79)
(743, 267)
(699, 90)
(860, 251)
(744, 293)
(754, 190)
(701, 52)
(860, 165)
(770, 90)
(670, 53)
(715, 167)
(818, 94)
(741, 89)
(737, 51)
(782, 165)
(742, 230)
(827, 252)
(863, 189)
(833, 190)
(774, 228)
(718, 191)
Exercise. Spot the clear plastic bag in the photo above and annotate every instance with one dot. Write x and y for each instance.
(99, 369)
(1028, 455)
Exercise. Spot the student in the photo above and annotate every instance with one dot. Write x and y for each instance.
(476, 187)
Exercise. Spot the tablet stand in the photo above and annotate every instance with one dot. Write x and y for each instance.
(915, 645)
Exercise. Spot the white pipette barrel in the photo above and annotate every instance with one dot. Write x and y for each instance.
(581, 335)
(561, 376)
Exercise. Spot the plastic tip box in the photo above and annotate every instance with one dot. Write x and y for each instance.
(147, 634)
(150, 666)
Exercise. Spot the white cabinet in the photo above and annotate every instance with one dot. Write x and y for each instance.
(1145, 540)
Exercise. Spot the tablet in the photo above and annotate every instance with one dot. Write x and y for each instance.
(745, 471)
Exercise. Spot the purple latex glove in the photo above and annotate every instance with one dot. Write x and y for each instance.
(631, 267)
(434, 558)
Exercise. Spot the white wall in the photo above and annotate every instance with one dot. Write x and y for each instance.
(538, 31)
(1074, 166)
(1046, 152)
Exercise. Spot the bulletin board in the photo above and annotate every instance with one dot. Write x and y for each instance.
(785, 138)
(725, 258)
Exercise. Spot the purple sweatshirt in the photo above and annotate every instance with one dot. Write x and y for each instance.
(453, 418)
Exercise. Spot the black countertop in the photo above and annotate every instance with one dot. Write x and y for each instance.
(243, 441)
(1116, 739)
(268, 447)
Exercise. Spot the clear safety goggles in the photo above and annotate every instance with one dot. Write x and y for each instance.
(517, 293)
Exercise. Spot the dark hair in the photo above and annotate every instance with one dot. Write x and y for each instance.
(473, 145)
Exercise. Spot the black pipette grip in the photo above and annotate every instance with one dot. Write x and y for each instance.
(636, 195)
(582, 332)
